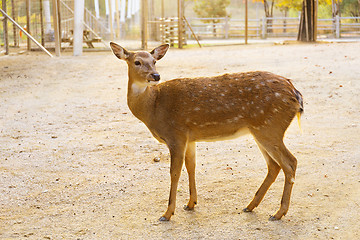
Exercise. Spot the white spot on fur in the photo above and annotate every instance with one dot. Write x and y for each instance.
(138, 88)
(277, 94)
(243, 108)
(292, 180)
(262, 111)
(197, 109)
(222, 94)
(267, 98)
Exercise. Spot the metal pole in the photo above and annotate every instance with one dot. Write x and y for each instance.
(117, 16)
(28, 14)
(6, 36)
(180, 24)
(26, 33)
(194, 35)
(246, 22)
(42, 24)
(56, 27)
(316, 19)
(78, 26)
(144, 42)
(16, 42)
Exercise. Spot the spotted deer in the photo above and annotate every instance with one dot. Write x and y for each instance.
(184, 111)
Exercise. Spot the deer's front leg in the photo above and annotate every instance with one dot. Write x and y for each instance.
(177, 152)
(190, 163)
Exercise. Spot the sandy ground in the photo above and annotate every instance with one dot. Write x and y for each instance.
(76, 164)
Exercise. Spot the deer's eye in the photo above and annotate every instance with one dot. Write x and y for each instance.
(137, 63)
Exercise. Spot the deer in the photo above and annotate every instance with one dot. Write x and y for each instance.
(183, 111)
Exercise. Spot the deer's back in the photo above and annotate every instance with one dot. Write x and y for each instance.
(233, 101)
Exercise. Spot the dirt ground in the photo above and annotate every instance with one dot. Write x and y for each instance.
(76, 164)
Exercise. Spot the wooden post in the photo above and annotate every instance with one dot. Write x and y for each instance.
(111, 20)
(6, 36)
(144, 21)
(316, 19)
(59, 20)
(117, 18)
(162, 9)
(56, 27)
(163, 21)
(42, 23)
(180, 24)
(16, 43)
(246, 21)
(28, 29)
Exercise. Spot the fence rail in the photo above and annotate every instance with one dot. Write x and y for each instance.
(205, 28)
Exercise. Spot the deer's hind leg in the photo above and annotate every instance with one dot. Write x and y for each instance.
(275, 148)
(273, 171)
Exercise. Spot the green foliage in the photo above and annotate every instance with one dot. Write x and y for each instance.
(297, 4)
(350, 8)
(211, 8)
(289, 4)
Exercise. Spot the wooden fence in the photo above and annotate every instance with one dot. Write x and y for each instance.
(225, 28)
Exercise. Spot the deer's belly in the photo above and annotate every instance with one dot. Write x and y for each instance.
(214, 136)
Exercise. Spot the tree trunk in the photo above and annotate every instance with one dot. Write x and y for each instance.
(307, 28)
(269, 13)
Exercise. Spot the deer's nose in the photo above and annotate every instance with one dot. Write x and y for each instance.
(156, 76)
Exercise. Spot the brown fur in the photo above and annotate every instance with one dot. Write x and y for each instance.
(181, 112)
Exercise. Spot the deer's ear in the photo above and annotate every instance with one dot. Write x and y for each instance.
(160, 51)
(119, 51)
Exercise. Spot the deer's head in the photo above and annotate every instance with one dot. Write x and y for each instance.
(141, 65)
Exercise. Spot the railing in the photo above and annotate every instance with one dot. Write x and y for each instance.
(97, 30)
(271, 27)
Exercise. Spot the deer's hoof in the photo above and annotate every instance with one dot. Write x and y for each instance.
(247, 210)
(273, 218)
(187, 208)
(163, 219)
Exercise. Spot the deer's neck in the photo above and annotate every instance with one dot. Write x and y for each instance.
(140, 99)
